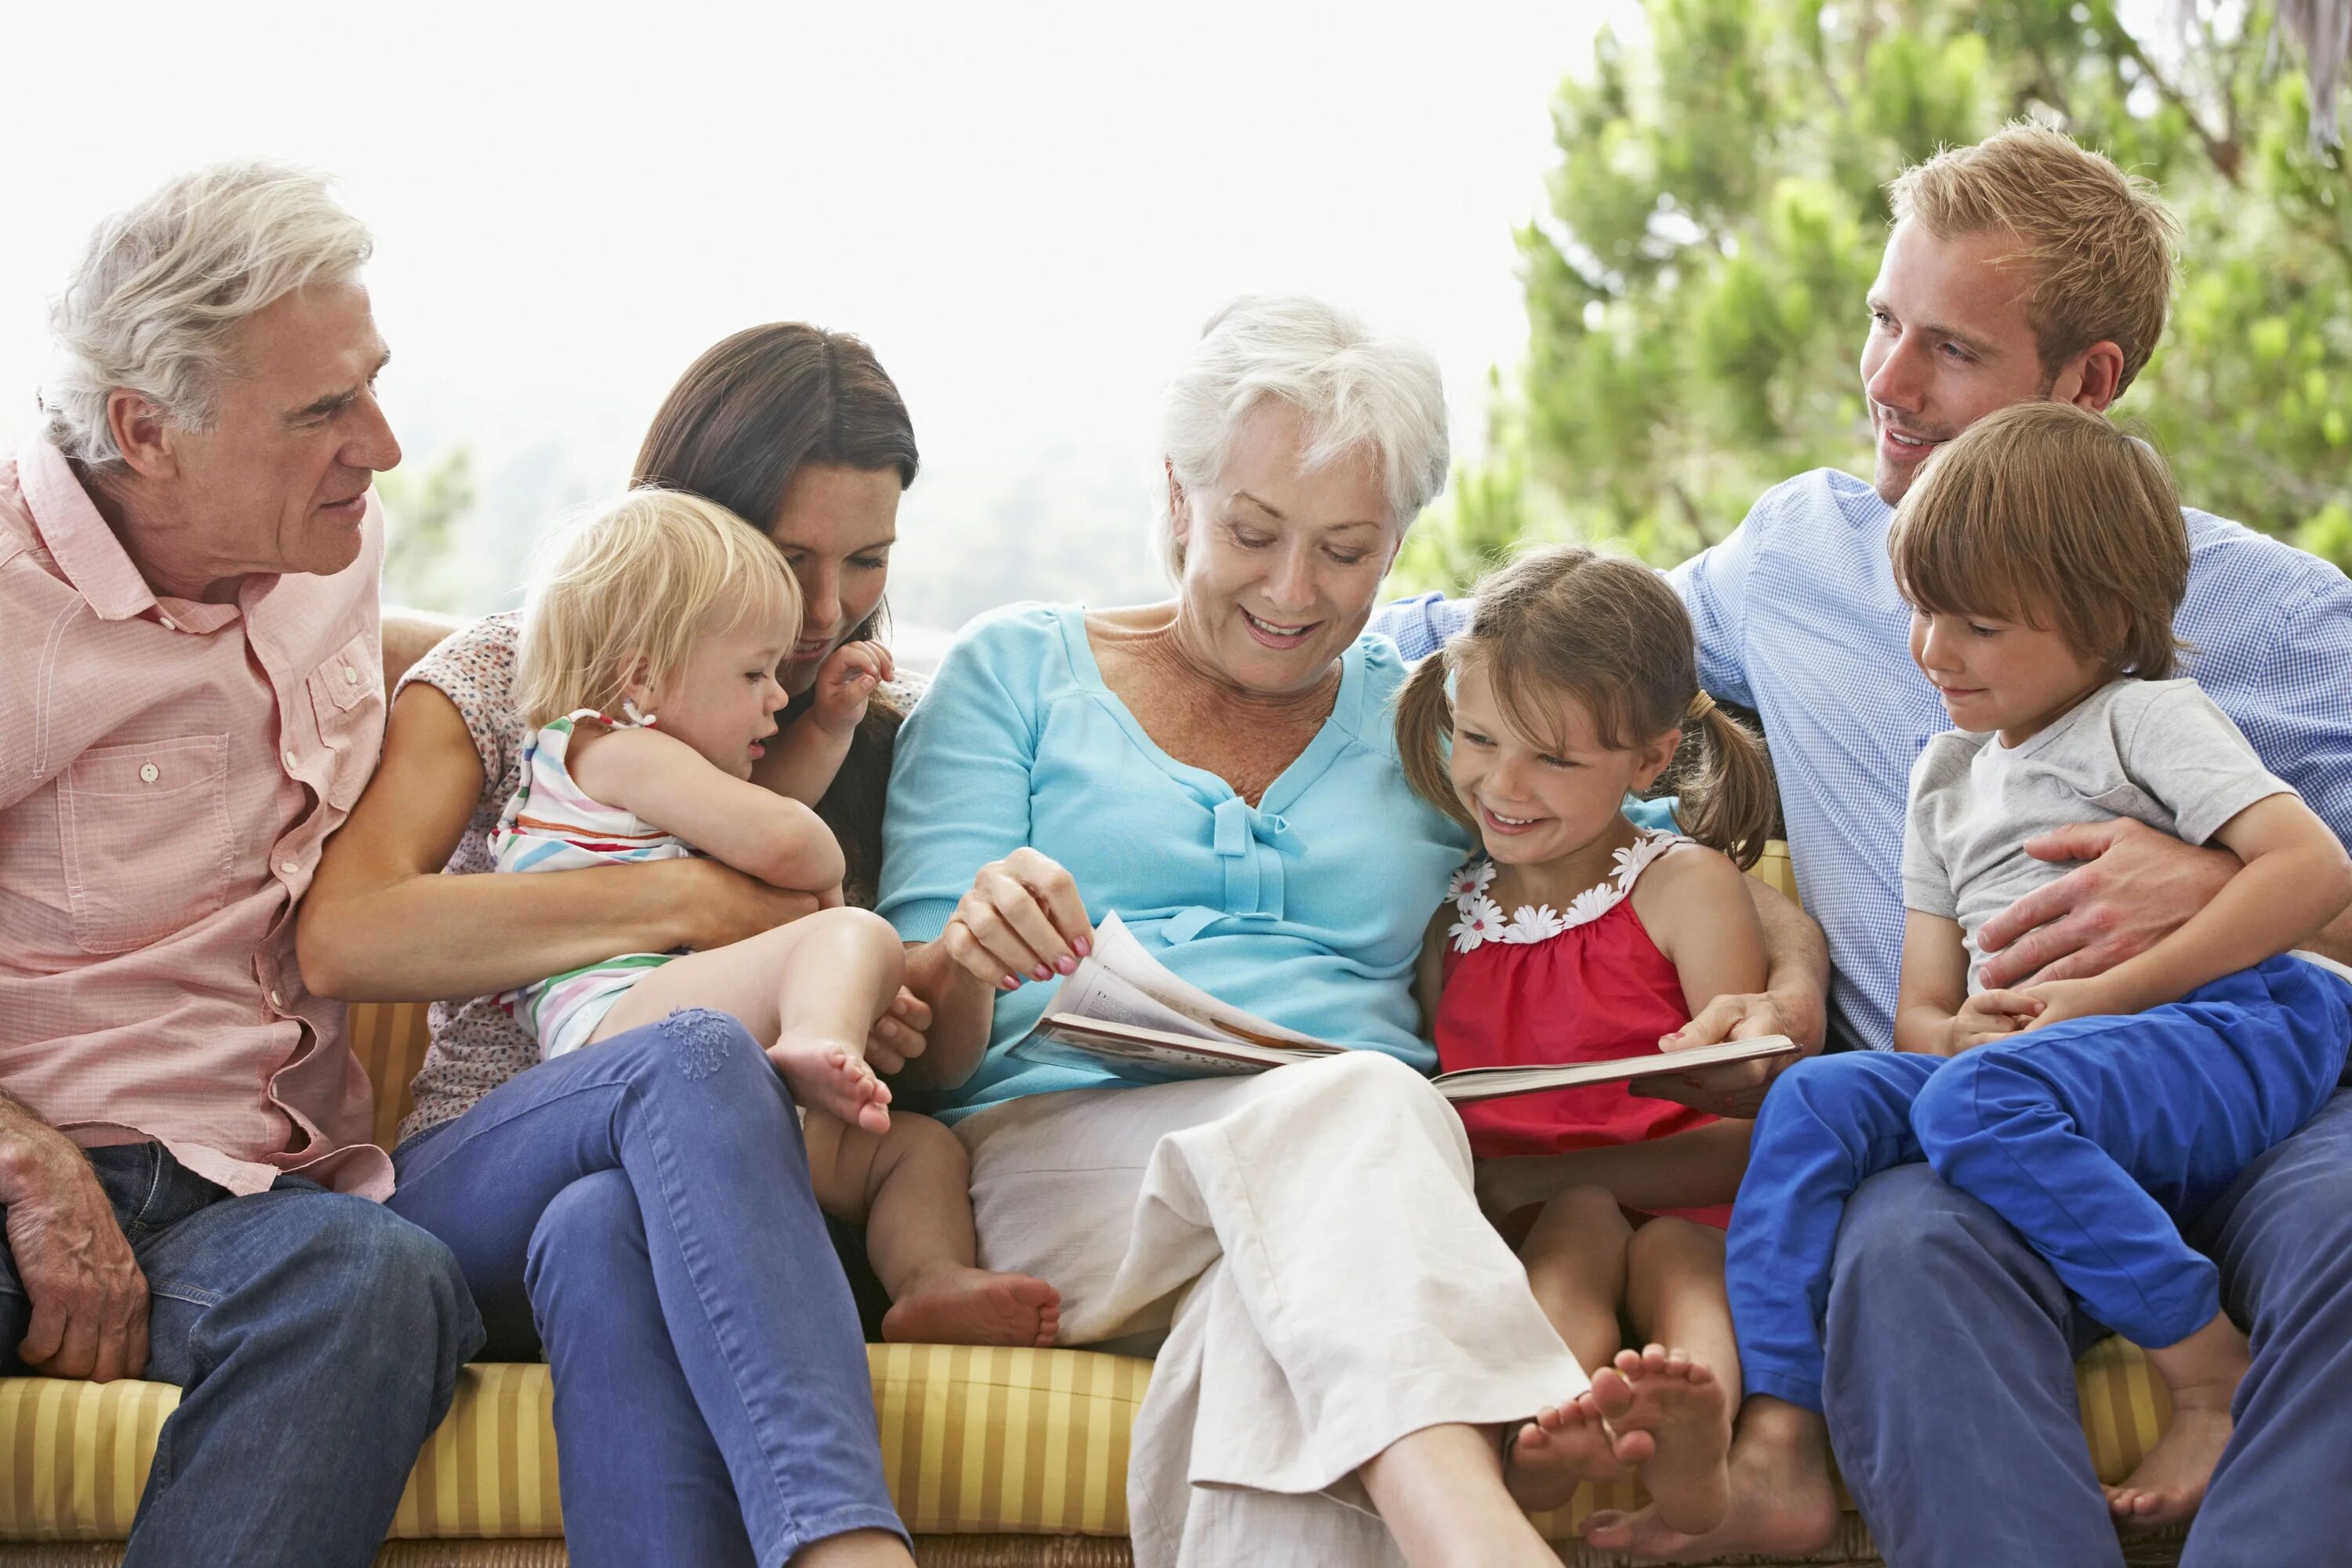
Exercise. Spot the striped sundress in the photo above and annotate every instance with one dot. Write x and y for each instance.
(551, 824)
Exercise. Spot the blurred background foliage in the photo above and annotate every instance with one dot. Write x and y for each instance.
(1695, 291)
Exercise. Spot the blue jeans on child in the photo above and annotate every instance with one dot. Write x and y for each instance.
(641, 1209)
(316, 1339)
(2096, 1139)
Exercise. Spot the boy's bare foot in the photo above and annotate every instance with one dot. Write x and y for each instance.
(1781, 1503)
(2203, 1372)
(1681, 1405)
(825, 1075)
(959, 1305)
(1567, 1445)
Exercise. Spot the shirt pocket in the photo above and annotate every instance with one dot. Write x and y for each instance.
(148, 845)
(347, 701)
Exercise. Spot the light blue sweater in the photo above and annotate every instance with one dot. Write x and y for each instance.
(1307, 909)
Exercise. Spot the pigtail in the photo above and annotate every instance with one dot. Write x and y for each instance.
(1729, 800)
(1425, 719)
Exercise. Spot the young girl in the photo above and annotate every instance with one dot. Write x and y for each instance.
(2044, 555)
(648, 673)
(1576, 683)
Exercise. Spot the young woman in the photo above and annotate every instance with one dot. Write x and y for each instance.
(545, 1179)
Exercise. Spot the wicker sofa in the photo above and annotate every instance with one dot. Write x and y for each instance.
(996, 1458)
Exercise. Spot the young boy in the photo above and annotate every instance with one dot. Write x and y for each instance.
(2044, 554)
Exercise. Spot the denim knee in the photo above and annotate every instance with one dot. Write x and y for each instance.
(368, 1277)
(594, 1221)
(691, 1048)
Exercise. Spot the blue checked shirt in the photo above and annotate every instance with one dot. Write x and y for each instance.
(1797, 618)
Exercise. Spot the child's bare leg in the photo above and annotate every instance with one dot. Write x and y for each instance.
(1575, 1259)
(1675, 1295)
(813, 988)
(912, 1189)
(2203, 1372)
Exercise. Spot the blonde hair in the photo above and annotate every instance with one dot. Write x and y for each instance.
(2101, 242)
(2046, 513)
(1566, 621)
(633, 586)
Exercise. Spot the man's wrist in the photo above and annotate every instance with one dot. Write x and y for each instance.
(1802, 1014)
(31, 1153)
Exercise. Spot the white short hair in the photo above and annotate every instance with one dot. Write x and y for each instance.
(163, 285)
(1359, 394)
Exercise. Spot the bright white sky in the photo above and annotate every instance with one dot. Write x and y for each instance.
(1028, 209)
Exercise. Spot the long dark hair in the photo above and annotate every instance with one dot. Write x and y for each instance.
(754, 410)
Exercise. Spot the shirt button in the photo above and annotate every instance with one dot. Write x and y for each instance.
(351, 676)
(149, 772)
(169, 624)
(289, 760)
(276, 1000)
(288, 869)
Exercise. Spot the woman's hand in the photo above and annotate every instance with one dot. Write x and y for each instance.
(1021, 921)
(897, 1037)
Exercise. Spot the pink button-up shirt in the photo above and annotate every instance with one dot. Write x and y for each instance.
(168, 771)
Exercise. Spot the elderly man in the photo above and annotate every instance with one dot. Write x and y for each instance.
(190, 701)
(2022, 268)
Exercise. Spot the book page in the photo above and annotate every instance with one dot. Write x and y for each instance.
(1132, 1050)
(1118, 950)
(1473, 1084)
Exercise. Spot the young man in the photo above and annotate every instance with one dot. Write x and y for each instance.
(190, 701)
(2022, 268)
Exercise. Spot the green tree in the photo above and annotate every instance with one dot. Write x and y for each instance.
(426, 511)
(1694, 294)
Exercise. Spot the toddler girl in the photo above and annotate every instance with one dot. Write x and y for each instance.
(2044, 554)
(647, 676)
(1577, 936)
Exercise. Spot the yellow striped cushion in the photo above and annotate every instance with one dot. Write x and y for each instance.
(973, 1441)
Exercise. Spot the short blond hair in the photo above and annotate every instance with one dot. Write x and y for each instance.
(2046, 513)
(2102, 243)
(637, 582)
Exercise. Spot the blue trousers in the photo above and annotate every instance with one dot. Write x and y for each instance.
(2095, 1140)
(316, 1339)
(641, 1209)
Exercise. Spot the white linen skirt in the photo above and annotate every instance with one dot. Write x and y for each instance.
(1304, 1247)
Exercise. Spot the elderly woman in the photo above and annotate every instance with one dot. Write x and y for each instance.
(1346, 1339)
(642, 1210)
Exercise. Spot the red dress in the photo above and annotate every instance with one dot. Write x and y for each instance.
(1539, 987)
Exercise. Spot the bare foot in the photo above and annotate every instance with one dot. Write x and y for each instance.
(1681, 1405)
(825, 1075)
(2203, 1372)
(1568, 1445)
(960, 1306)
(1781, 1503)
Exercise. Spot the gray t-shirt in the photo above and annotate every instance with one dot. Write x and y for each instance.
(2157, 751)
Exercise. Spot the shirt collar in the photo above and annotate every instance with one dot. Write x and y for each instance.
(87, 552)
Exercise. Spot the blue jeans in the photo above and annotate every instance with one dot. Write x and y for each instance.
(641, 1209)
(2096, 1139)
(317, 1338)
(1950, 1393)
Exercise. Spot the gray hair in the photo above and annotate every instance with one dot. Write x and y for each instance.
(1359, 393)
(163, 285)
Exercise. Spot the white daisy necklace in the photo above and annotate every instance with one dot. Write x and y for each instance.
(1480, 919)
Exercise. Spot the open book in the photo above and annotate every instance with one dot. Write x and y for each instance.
(1124, 1012)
